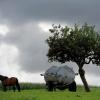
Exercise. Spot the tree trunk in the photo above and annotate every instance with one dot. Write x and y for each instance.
(82, 75)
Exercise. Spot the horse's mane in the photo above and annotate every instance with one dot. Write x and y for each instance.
(3, 77)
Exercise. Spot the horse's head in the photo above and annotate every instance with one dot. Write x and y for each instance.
(3, 77)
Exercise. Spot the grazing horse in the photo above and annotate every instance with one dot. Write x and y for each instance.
(13, 81)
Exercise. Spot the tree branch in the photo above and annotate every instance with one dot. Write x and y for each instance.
(87, 62)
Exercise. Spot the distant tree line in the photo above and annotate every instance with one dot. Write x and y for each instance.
(27, 86)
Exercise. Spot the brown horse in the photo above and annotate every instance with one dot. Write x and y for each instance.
(13, 81)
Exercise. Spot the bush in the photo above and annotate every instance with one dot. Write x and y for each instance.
(28, 86)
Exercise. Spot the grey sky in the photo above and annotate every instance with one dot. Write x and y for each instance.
(23, 18)
(56, 10)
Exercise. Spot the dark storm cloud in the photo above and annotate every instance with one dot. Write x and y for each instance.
(31, 45)
(56, 10)
(23, 16)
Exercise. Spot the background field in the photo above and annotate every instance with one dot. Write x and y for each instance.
(38, 92)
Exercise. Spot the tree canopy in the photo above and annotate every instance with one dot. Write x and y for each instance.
(80, 44)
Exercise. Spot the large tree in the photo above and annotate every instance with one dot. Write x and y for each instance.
(78, 44)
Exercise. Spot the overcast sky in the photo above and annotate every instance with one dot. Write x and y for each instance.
(24, 28)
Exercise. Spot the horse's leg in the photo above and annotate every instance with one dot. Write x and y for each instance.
(4, 88)
(18, 86)
(14, 88)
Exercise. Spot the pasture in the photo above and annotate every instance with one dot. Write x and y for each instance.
(38, 92)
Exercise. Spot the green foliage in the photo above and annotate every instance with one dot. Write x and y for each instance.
(42, 94)
(77, 44)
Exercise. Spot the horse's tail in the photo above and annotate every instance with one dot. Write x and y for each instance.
(17, 85)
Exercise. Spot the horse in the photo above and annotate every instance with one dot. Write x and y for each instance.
(13, 81)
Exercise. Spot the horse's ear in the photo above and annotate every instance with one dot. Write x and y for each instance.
(0, 75)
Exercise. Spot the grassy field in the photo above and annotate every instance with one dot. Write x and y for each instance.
(43, 94)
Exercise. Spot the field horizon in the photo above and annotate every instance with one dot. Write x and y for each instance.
(39, 92)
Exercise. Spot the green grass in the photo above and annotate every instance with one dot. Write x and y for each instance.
(42, 94)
